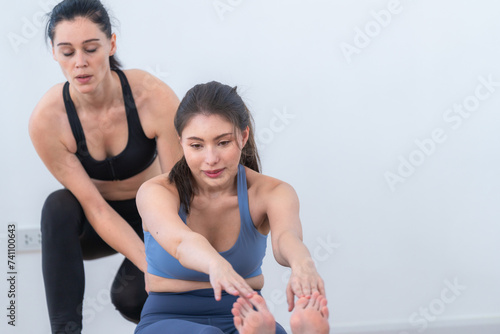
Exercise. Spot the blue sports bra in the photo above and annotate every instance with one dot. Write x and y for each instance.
(139, 153)
(245, 256)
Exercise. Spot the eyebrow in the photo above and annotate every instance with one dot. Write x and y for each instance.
(216, 138)
(86, 41)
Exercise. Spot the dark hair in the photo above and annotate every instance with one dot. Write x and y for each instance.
(93, 10)
(212, 98)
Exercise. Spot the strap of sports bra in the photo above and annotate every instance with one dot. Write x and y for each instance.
(246, 219)
(128, 99)
(74, 121)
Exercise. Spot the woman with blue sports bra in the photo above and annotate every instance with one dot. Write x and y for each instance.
(101, 134)
(205, 230)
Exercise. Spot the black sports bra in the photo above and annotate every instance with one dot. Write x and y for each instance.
(139, 153)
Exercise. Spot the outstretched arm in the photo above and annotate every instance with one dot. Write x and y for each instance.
(158, 203)
(288, 248)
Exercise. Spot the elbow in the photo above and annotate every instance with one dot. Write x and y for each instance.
(182, 248)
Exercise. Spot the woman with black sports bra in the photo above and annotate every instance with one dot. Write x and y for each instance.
(101, 134)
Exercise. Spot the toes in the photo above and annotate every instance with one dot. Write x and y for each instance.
(238, 323)
(245, 305)
(322, 301)
(313, 302)
(302, 302)
(325, 312)
(259, 302)
(235, 310)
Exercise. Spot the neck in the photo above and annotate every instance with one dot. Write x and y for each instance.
(213, 192)
(102, 97)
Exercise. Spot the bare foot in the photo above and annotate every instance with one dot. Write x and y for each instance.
(310, 315)
(249, 321)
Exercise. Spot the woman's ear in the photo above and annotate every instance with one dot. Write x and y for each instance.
(112, 51)
(244, 136)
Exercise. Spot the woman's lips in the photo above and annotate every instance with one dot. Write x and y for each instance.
(213, 173)
(83, 78)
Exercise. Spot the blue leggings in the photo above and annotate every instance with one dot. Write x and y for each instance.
(192, 312)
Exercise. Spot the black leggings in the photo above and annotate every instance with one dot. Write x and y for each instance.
(67, 240)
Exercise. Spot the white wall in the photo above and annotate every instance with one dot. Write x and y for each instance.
(346, 119)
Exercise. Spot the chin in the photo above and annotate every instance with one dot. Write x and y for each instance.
(84, 89)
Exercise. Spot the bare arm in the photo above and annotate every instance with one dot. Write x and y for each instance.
(46, 130)
(288, 248)
(159, 109)
(158, 204)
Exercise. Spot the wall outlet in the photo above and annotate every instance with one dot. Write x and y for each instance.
(29, 239)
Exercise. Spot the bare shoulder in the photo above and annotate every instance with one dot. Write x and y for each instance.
(156, 102)
(265, 187)
(49, 115)
(144, 84)
(158, 184)
(157, 198)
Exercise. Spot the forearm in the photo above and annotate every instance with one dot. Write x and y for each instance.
(119, 235)
(196, 253)
(290, 251)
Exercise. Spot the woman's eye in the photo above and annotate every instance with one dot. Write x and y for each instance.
(92, 50)
(67, 54)
(196, 146)
(224, 143)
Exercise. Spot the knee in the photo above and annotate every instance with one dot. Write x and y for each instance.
(129, 301)
(57, 211)
(129, 308)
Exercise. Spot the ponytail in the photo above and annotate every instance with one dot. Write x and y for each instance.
(181, 176)
(249, 154)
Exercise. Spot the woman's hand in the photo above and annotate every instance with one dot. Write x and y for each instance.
(223, 276)
(303, 282)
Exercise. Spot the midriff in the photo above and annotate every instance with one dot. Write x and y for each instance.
(161, 284)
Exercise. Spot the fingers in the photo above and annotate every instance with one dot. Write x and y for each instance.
(239, 289)
(234, 285)
(310, 286)
(217, 292)
(296, 288)
(244, 289)
(289, 297)
(321, 287)
(306, 286)
(306, 289)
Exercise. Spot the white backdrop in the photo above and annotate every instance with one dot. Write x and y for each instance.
(382, 114)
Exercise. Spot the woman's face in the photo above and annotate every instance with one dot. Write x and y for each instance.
(212, 147)
(82, 50)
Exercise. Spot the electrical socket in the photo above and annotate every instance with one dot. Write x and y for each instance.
(29, 239)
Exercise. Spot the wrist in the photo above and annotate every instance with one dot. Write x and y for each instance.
(303, 264)
(216, 263)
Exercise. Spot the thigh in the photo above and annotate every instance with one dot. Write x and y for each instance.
(176, 326)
